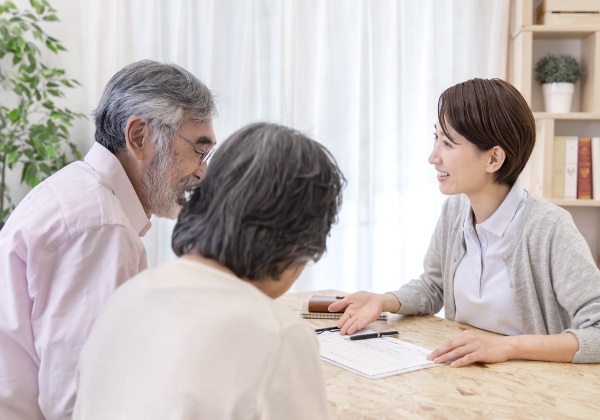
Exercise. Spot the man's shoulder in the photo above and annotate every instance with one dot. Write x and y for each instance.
(73, 200)
(76, 198)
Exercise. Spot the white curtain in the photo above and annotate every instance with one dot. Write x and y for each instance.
(362, 77)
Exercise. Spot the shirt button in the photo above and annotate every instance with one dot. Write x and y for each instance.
(504, 256)
(520, 318)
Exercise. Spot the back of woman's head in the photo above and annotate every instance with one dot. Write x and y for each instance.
(267, 202)
(488, 113)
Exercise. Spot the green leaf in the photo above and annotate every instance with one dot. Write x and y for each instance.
(30, 174)
(51, 151)
(51, 18)
(12, 158)
(45, 169)
(31, 67)
(51, 46)
(10, 5)
(37, 6)
(14, 115)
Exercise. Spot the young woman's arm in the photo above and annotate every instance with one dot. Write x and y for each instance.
(470, 347)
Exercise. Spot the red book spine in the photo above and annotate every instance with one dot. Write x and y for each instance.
(584, 172)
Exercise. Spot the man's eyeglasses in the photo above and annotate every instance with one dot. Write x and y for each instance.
(203, 155)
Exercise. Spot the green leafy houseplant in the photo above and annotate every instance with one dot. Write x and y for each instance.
(33, 133)
(562, 68)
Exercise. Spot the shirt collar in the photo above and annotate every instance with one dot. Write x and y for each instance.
(110, 169)
(498, 222)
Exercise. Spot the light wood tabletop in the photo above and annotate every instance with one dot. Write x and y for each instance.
(511, 390)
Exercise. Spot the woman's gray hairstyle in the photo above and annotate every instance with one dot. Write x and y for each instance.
(267, 202)
(156, 92)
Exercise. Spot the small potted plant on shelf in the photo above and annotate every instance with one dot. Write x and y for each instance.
(558, 75)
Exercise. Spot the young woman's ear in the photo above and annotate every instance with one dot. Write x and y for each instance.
(496, 158)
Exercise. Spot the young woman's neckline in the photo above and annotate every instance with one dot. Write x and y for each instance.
(486, 203)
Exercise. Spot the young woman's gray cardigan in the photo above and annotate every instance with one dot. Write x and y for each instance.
(555, 283)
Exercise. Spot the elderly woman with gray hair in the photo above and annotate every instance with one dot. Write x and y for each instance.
(201, 337)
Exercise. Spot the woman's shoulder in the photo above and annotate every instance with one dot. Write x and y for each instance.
(455, 205)
(541, 212)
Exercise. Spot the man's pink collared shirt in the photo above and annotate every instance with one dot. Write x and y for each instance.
(69, 244)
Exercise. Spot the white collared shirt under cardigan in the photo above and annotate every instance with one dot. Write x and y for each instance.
(554, 282)
(481, 288)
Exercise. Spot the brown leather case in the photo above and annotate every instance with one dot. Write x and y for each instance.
(319, 303)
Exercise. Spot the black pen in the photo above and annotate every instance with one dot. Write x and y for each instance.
(373, 335)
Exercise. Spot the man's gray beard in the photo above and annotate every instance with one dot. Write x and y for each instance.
(162, 198)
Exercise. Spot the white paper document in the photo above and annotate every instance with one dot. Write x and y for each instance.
(373, 358)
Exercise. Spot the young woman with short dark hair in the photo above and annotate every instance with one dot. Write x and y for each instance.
(499, 259)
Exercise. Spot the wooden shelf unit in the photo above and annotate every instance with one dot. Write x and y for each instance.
(575, 203)
(554, 31)
(526, 36)
(577, 116)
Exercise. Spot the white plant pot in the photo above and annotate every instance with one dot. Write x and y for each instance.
(558, 97)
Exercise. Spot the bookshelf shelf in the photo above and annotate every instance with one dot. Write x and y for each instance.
(575, 203)
(576, 116)
(557, 31)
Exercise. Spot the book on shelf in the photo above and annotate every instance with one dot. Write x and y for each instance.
(571, 157)
(584, 169)
(576, 168)
(596, 168)
(558, 167)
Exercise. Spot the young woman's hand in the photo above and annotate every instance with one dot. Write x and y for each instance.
(362, 308)
(470, 347)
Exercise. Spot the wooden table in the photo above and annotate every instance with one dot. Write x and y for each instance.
(510, 390)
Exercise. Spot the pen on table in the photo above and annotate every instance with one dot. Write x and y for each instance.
(373, 335)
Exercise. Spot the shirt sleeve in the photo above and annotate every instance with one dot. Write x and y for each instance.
(576, 283)
(68, 290)
(425, 295)
(294, 386)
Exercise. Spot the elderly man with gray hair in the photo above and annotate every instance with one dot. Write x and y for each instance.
(76, 237)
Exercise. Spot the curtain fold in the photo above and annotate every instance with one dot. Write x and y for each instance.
(360, 76)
